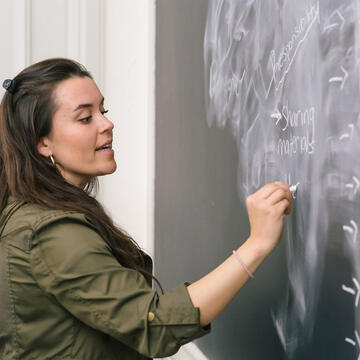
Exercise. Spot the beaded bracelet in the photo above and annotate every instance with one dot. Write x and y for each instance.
(242, 264)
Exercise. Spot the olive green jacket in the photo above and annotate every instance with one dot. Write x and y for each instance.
(63, 295)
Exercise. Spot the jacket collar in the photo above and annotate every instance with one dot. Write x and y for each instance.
(12, 205)
(11, 199)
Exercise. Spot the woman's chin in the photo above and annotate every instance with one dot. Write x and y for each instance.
(109, 169)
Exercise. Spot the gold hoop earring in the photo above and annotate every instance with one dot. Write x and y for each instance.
(52, 160)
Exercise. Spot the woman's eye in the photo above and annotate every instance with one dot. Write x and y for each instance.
(86, 120)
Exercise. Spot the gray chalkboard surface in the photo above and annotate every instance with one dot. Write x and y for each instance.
(248, 92)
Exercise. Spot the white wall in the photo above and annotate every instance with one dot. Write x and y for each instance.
(115, 40)
(129, 94)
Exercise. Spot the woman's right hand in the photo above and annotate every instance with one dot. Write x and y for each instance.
(266, 209)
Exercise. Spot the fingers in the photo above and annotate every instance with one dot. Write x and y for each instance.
(268, 189)
(281, 198)
(278, 195)
(283, 207)
(275, 193)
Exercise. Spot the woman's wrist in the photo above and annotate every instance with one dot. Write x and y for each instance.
(257, 247)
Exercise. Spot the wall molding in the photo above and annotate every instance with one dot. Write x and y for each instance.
(27, 34)
(85, 35)
(21, 33)
(73, 29)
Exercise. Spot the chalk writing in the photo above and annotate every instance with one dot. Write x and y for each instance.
(295, 143)
(353, 187)
(288, 52)
(340, 79)
(352, 291)
(285, 77)
(352, 230)
(348, 135)
(356, 342)
(334, 20)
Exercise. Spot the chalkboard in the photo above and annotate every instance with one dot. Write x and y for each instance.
(249, 92)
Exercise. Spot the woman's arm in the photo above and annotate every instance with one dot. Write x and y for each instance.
(266, 209)
(74, 266)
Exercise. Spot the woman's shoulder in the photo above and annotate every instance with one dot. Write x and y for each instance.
(21, 215)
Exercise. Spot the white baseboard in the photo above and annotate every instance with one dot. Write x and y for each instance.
(188, 352)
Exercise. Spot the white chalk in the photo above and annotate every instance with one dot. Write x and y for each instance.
(293, 190)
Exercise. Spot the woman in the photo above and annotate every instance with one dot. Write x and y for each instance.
(72, 285)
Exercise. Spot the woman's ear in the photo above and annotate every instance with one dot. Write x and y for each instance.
(43, 147)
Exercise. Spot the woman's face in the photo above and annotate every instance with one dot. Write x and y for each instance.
(79, 129)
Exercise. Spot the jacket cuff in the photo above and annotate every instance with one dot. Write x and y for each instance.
(176, 310)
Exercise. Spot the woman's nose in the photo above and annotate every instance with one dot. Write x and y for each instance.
(106, 124)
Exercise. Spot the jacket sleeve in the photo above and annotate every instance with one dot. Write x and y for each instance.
(72, 262)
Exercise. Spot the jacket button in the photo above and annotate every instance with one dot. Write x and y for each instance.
(151, 316)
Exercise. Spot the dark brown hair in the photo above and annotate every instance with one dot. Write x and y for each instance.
(26, 116)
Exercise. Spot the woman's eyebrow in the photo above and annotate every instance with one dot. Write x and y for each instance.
(84, 106)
